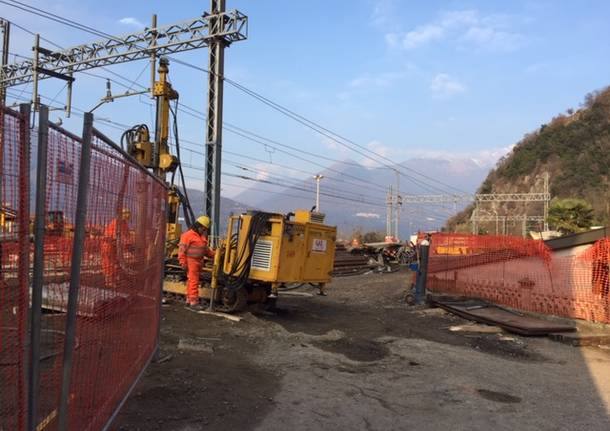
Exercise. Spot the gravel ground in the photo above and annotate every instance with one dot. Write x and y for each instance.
(360, 359)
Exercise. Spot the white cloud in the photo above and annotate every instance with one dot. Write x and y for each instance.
(466, 28)
(384, 13)
(381, 150)
(381, 80)
(444, 86)
(368, 215)
(459, 18)
(422, 35)
(485, 158)
(492, 39)
(334, 146)
(131, 21)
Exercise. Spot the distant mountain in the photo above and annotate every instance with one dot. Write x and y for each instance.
(573, 148)
(227, 206)
(366, 189)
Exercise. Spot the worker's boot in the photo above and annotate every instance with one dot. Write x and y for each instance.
(195, 307)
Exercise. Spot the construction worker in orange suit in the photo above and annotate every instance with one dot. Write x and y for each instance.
(116, 234)
(191, 251)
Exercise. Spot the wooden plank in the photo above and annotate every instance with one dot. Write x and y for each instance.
(217, 314)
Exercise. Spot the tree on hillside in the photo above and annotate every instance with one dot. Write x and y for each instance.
(570, 215)
(373, 237)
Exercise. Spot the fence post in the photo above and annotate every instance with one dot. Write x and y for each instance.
(422, 274)
(24, 244)
(38, 269)
(77, 252)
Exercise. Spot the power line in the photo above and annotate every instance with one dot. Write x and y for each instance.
(274, 192)
(238, 131)
(292, 168)
(244, 177)
(298, 182)
(285, 111)
(279, 181)
(328, 133)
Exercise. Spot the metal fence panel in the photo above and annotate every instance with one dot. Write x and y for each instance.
(119, 294)
(14, 264)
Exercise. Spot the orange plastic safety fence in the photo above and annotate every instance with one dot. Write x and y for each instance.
(121, 276)
(523, 274)
(14, 243)
(118, 308)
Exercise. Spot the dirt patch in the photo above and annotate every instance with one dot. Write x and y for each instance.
(499, 397)
(355, 349)
(357, 359)
(506, 348)
(206, 382)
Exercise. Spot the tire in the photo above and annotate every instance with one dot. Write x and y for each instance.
(234, 300)
(410, 299)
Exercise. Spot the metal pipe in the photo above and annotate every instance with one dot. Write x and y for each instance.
(6, 31)
(68, 109)
(422, 274)
(153, 56)
(77, 252)
(38, 269)
(215, 272)
(35, 72)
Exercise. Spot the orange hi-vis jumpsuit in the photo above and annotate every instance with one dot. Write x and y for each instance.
(193, 247)
(116, 229)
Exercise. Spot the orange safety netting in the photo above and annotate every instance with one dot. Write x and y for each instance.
(523, 274)
(121, 275)
(14, 245)
(118, 309)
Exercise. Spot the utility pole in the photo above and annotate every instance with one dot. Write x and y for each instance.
(398, 205)
(213, 139)
(6, 31)
(389, 212)
(318, 178)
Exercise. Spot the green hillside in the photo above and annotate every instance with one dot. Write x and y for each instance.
(574, 148)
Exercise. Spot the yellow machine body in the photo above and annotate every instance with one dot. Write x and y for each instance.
(174, 228)
(290, 251)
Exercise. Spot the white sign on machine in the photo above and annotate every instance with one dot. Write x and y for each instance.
(318, 245)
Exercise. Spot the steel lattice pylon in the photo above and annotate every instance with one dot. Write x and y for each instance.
(170, 39)
(544, 197)
(479, 197)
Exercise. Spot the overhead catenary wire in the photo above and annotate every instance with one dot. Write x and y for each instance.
(353, 146)
(250, 135)
(260, 180)
(280, 182)
(416, 181)
(363, 151)
(334, 197)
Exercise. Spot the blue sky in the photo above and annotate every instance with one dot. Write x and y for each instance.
(405, 78)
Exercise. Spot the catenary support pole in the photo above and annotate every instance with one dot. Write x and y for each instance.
(23, 222)
(77, 252)
(38, 268)
(35, 73)
(422, 274)
(214, 121)
(6, 37)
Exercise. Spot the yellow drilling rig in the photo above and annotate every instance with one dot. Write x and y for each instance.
(261, 252)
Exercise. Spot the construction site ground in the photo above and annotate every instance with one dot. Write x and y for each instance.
(361, 359)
